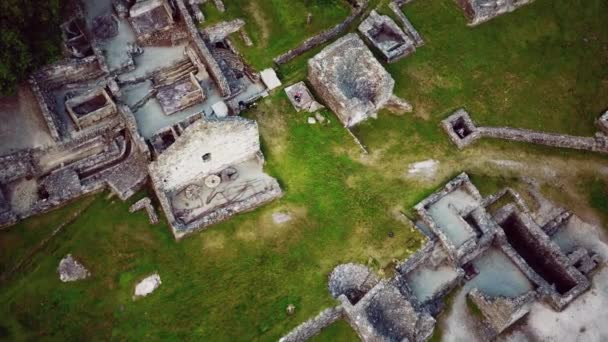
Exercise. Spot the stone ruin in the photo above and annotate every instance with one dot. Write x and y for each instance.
(492, 248)
(220, 31)
(211, 172)
(352, 281)
(149, 17)
(479, 11)
(145, 204)
(462, 131)
(387, 37)
(350, 80)
(501, 312)
(92, 107)
(301, 98)
(140, 79)
(147, 285)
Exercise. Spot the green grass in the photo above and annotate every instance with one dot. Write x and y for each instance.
(15, 246)
(531, 68)
(599, 195)
(275, 26)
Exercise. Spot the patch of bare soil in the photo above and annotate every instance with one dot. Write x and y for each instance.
(22, 123)
(262, 22)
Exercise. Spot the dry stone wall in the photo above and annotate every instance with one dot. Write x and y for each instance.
(314, 325)
(395, 6)
(479, 11)
(351, 81)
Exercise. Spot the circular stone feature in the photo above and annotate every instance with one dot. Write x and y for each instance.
(351, 280)
(213, 181)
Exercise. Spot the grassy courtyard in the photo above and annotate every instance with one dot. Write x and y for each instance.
(544, 66)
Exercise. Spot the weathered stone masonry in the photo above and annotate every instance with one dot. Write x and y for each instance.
(395, 309)
(462, 131)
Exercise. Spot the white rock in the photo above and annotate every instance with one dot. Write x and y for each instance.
(281, 217)
(71, 270)
(148, 285)
(312, 120)
(270, 79)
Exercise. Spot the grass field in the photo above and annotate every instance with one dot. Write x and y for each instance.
(544, 66)
(276, 26)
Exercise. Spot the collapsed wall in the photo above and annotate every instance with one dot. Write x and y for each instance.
(387, 37)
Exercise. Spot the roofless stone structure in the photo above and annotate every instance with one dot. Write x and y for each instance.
(211, 172)
(347, 76)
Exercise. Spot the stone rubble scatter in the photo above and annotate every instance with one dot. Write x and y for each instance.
(71, 270)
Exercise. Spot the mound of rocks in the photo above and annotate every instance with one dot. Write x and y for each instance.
(71, 270)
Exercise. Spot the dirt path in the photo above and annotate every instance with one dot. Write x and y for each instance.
(262, 22)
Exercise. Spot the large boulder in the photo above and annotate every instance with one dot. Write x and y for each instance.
(147, 285)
